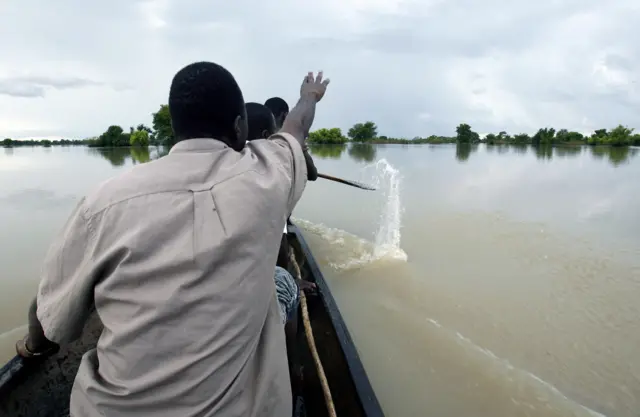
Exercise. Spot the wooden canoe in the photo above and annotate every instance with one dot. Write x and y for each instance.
(41, 388)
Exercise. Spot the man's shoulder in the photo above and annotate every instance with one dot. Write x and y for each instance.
(138, 181)
(280, 147)
(174, 173)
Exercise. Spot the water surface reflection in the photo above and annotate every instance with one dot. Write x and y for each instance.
(463, 150)
(528, 253)
(362, 152)
(327, 151)
(121, 156)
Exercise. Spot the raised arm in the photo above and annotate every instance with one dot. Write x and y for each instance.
(300, 118)
(289, 141)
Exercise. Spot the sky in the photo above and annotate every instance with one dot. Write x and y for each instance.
(71, 68)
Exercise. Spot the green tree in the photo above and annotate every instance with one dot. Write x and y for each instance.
(544, 136)
(491, 139)
(363, 132)
(504, 137)
(141, 126)
(575, 137)
(7, 143)
(163, 133)
(521, 138)
(620, 136)
(327, 136)
(562, 135)
(464, 134)
(113, 137)
(600, 136)
(139, 138)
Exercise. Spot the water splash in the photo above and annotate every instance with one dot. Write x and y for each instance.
(387, 237)
(350, 251)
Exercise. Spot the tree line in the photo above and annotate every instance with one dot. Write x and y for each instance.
(10, 143)
(115, 136)
(364, 152)
(161, 133)
(367, 132)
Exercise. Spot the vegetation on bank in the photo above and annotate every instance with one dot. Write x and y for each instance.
(115, 136)
(10, 143)
(366, 132)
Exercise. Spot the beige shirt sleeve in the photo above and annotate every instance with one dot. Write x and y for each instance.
(65, 295)
(287, 153)
(298, 165)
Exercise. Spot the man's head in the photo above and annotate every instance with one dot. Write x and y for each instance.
(206, 102)
(279, 108)
(262, 124)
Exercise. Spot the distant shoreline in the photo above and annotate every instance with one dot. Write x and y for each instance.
(70, 143)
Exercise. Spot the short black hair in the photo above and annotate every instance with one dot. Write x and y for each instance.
(277, 106)
(260, 119)
(204, 102)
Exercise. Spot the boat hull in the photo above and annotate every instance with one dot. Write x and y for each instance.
(41, 387)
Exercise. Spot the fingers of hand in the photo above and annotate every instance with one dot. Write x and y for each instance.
(319, 77)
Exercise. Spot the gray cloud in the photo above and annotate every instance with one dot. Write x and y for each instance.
(35, 86)
(21, 90)
(496, 64)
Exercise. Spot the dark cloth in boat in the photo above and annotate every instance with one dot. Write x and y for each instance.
(288, 294)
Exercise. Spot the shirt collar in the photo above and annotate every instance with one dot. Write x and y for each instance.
(198, 145)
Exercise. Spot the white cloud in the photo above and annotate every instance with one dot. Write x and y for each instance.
(72, 68)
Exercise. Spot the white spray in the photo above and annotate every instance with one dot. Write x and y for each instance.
(387, 237)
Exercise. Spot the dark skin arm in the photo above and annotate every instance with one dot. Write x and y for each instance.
(300, 118)
(312, 171)
(35, 343)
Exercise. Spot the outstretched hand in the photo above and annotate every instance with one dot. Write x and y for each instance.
(314, 86)
(300, 118)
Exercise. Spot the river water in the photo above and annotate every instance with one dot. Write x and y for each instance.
(477, 281)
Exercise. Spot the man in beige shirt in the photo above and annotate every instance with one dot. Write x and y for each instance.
(177, 257)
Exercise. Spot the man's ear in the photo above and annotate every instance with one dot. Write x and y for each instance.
(237, 126)
(240, 129)
(265, 134)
